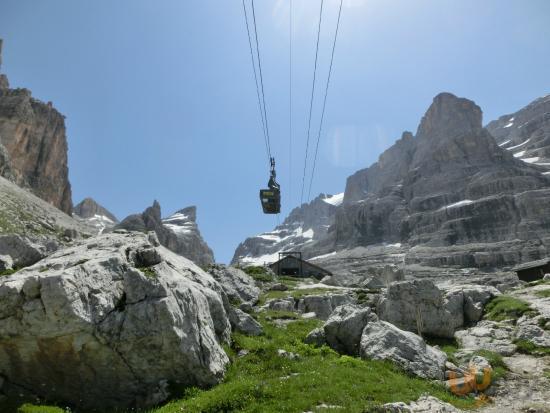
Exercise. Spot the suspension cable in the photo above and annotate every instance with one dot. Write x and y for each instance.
(324, 100)
(261, 77)
(290, 105)
(256, 82)
(311, 101)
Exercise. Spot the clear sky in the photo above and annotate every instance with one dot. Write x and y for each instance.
(161, 104)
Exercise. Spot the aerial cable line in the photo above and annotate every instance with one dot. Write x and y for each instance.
(261, 78)
(290, 104)
(311, 101)
(257, 85)
(324, 100)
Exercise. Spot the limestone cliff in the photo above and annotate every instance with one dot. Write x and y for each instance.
(34, 153)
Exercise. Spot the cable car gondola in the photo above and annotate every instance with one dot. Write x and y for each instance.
(271, 197)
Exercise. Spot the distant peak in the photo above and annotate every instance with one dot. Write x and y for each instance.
(449, 115)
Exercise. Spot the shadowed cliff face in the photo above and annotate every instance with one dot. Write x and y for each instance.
(451, 184)
(448, 196)
(34, 142)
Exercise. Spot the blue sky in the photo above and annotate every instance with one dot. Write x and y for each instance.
(160, 99)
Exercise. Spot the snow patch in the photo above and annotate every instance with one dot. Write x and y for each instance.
(505, 143)
(318, 257)
(308, 234)
(457, 204)
(261, 260)
(335, 200)
(531, 160)
(517, 146)
(519, 154)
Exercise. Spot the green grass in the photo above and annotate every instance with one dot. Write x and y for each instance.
(527, 347)
(258, 273)
(542, 322)
(31, 408)
(543, 293)
(448, 345)
(264, 382)
(505, 307)
(538, 282)
(546, 373)
(296, 294)
(149, 272)
(9, 272)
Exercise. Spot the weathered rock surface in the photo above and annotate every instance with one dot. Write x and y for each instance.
(323, 305)
(488, 335)
(111, 322)
(526, 133)
(237, 285)
(411, 305)
(244, 323)
(344, 328)
(425, 404)
(384, 341)
(30, 227)
(178, 232)
(94, 215)
(34, 138)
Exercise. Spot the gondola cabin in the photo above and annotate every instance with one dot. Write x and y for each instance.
(271, 200)
(533, 271)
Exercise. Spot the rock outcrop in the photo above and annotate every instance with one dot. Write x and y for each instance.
(31, 228)
(526, 133)
(178, 232)
(94, 215)
(419, 305)
(384, 341)
(33, 137)
(237, 285)
(112, 322)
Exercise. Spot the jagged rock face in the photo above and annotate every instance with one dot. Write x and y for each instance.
(25, 217)
(33, 135)
(94, 215)
(453, 185)
(178, 232)
(304, 224)
(111, 323)
(526, 133)
(184, 237)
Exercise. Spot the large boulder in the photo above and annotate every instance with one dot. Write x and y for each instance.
(110, 323)
(244, 323)
(238, 285)
(345, 326)
(24, 252)
(323, 305)
(384, 341)
(420, 304)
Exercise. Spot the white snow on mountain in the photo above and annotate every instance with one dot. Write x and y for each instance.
(335, 200)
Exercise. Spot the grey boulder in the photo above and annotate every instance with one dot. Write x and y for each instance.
(244, 323)
(323, 305)
(110, 323)
(345, 326)
(384, 341)
(238, 285)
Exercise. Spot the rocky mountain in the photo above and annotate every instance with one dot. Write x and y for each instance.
(33, 145)
(526, 133)
(94, 215)
(178, 232)
(31, 228)
(304, 224)
(447, 196)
